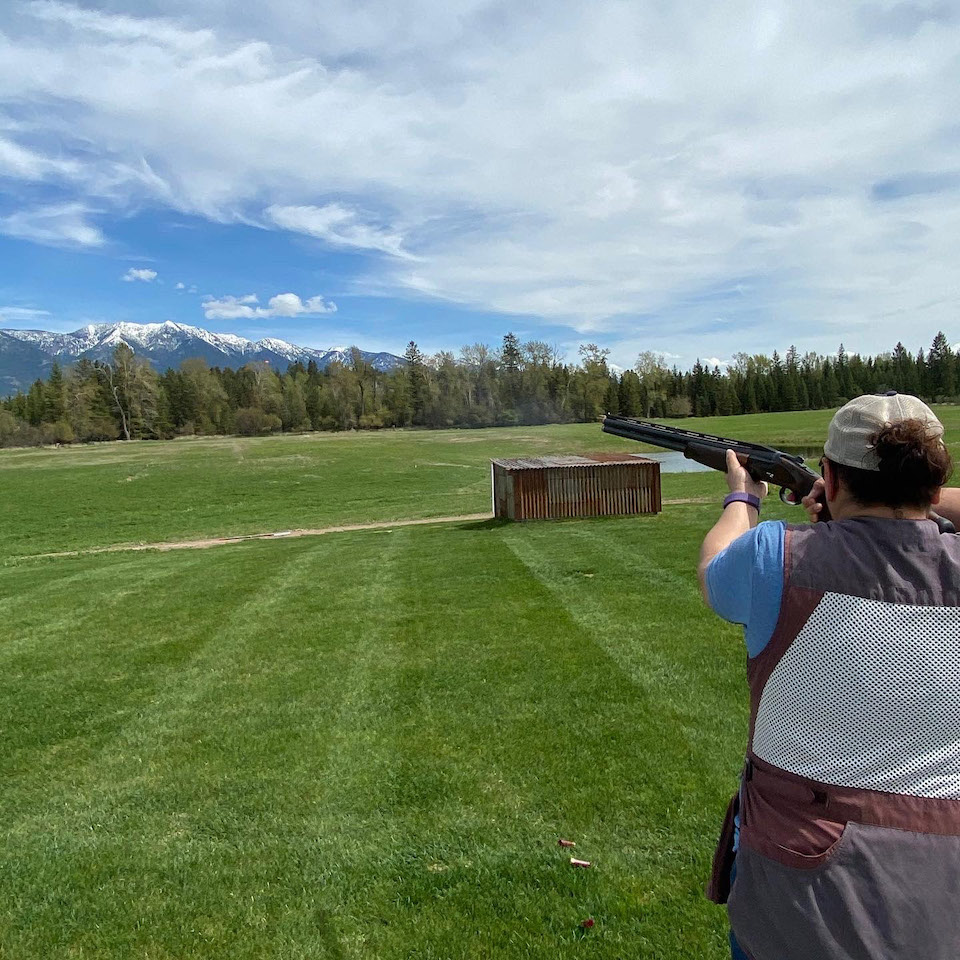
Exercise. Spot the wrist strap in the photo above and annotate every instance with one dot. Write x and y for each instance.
(747, 498)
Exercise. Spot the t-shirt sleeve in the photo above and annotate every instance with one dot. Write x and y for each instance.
(745, 582)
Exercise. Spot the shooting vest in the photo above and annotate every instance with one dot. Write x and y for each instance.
(850, 797)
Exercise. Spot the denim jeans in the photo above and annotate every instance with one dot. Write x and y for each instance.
(735, 952)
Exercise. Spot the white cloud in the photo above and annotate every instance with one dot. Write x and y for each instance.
(25, 164)
(338, 225)
(180, 286)
(715, 362)
(118, 27)
(56, 224)
(135, 273)
(631, 170)
(281, 305)
(22, 314)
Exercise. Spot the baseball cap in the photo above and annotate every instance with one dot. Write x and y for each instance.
(854, 425)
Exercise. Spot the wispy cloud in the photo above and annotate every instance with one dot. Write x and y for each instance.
(23, 314)
(145, 275)
(25, 164)
(282, 305)
(58, 224)
(340, 226)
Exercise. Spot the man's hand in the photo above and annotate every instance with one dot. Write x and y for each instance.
(809, 502)
(739, 481)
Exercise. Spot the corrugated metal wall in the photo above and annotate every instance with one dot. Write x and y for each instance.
(595, 490)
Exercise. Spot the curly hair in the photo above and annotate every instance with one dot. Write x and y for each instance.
(913, 466)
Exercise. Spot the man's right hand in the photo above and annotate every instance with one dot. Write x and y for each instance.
(810, 501)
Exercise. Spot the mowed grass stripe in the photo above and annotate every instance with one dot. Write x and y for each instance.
(78, 665)
(635, 595)
(370, 752)
(113, 855)
(76, 599)
(549, 726)
(654, 597)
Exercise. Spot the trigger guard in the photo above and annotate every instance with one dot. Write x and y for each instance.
(783, 498)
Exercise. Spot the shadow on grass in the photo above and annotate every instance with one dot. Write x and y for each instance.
(499, 523)
(494, 523)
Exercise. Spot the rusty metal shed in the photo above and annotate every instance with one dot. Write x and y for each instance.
(593, 485)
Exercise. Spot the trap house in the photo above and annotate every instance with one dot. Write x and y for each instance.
(592, 485)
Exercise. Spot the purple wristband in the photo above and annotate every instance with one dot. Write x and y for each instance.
(747, 498)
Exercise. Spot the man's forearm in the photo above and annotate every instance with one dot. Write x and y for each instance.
(735, 520)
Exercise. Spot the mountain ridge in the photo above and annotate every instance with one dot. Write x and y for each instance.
(26, 355)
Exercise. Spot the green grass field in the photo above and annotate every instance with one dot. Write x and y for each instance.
(366, 744)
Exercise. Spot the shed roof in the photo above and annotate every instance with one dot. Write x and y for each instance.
(570, 460)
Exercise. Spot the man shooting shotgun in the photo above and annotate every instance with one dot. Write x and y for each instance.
(843, 839)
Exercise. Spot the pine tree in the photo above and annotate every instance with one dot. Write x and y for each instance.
(611, 399)
(36, 403)
(843, 375)
(776, 383)
(940, 366)
(920, 367)
(831, 386)
(511, 362)
(416, 383)
(53, 396)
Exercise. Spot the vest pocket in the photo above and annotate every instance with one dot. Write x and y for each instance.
(814, 861)
(789, 822)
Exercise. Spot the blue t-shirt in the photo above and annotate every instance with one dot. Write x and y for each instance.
(745, 582)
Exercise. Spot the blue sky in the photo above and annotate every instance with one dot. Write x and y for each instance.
(694, 179)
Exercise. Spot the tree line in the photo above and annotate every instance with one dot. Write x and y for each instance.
(518, 383)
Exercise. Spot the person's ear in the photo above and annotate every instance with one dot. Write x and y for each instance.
(831, 481)
(935, 499)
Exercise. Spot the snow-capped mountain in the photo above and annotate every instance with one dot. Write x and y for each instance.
(26, 355)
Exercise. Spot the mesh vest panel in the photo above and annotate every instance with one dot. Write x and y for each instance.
(868, 696)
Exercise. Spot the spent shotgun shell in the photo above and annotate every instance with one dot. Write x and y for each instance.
(574, 862)
(566, 843)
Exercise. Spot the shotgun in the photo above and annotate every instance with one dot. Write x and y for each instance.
(784, 470)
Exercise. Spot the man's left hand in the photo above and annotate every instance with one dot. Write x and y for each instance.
(739, 481)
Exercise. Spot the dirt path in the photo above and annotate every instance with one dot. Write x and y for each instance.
(279, 535)
(292, 534)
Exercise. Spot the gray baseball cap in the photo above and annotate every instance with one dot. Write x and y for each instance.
(854, 425)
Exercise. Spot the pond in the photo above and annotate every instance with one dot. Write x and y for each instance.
(675, 462)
